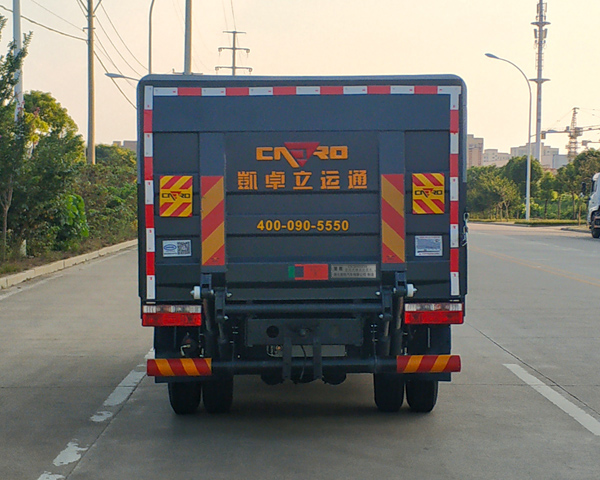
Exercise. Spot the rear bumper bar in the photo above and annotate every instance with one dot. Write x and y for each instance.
(205, 367)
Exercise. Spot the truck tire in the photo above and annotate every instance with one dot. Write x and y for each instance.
(389, 392)
(596, 232)
(184, 397)
(421, 395)
(218, 395)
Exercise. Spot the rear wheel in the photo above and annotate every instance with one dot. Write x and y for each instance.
(389, 392)
(595, 231)
(218, 395)
(184, 397)
(421, 395)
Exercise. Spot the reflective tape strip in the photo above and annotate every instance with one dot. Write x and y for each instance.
(148, 97)
(453, 236)
(428, 364)
(149, 190)
(150, 287)
(261, 91)
(402, 90)
(355, 90)
(453, 143)
(454, 93)
(308, 90)
(454, 284)
(150, 246)
(148, 145)
(454, 189)
(166, 91)
(179, 367)
(213, 92)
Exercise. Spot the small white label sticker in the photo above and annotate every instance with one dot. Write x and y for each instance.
(428, 246)
(177, 248)
(354, 271)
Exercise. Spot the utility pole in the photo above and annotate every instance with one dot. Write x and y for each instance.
(19, 46)
(187, 70)
(150, 38)
(234, 49)
(91, 140)
(540, 33)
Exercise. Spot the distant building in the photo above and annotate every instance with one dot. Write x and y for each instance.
(550, 156)
(475, 151)
(128, 144)
(492, 156)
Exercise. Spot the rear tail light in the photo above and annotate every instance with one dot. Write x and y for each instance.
(171, 315)
(433, 314)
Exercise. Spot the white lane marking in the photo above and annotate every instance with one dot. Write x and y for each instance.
(50, 476)
(586, 420)
(124, 389)
(111, 406)
(101, 416)
(70, 454)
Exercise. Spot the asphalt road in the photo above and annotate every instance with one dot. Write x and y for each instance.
(74, 402)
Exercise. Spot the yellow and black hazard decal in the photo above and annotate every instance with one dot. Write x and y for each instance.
(176, 196)
(428, 193)
(213, 221)
(392, 218)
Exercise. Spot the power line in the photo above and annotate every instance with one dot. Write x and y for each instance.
(81, 7)
(56, 15)
(115, 47)
(225, 14)
(233, 15)
(44, 26)
(113, 80)
(121, 38)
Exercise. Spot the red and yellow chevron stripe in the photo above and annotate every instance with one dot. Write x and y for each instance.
(179, 367)
(428, 363)
(176, 196)
(392, 218)
(428, 193)
(213, 221)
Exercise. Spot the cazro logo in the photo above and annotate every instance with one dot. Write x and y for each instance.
(298, 153)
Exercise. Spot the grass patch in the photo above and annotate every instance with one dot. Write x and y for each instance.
(548, 222)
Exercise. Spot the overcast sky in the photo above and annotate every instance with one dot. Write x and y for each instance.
(329, 37)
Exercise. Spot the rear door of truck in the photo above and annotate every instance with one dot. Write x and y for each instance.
(274, 184)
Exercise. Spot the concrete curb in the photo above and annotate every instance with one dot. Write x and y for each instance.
(11, 280)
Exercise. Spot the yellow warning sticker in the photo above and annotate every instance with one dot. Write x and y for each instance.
(428, 193)
(176, 196)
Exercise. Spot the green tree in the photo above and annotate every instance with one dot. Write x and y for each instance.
(547, 192)
(109, 189)
(488, 190)
(516, 170)
(14, 137)
(44, 201)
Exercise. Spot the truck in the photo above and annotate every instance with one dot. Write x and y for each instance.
(302, 229)
(593, 214)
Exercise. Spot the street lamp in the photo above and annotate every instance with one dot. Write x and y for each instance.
(528, 182)
(150, 38)
(119, 75)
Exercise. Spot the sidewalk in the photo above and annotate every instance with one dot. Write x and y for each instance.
(12, 280)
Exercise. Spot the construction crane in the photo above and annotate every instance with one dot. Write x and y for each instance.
(574, 133)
